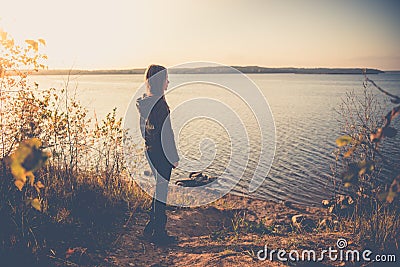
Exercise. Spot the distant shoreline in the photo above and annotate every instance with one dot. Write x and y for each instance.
(221, 70)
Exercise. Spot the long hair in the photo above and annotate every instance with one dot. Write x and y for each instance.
(155, 77)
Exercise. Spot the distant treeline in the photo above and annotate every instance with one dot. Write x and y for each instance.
(88, 72)
(208, 70)
(256, 69)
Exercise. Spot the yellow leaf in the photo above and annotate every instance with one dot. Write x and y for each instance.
(39, 185)
(33, 142)
(349, 152)
(390, 196)
(19, 184)
(26, 159)
(42, 41)
(36, 204)
(347, 184)
(343, 140)
(18, 171)
(31, 177)
(3, 35)
(394, 190)
(33, 44)
(376, 137)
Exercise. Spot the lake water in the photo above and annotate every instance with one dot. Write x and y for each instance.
(303, 107)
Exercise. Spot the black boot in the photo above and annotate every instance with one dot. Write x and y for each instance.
(161, 238)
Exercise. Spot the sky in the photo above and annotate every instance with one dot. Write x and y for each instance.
(125, 34)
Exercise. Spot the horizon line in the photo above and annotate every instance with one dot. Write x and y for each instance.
(220, 70)
(233, 66)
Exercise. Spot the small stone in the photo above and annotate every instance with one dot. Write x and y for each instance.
(302, 222)
(296, 219)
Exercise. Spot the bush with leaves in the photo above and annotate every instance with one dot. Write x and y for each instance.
(360, 148)
(363, 167)
(53, 158)
(21, 154)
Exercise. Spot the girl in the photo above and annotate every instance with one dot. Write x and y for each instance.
(161, 153)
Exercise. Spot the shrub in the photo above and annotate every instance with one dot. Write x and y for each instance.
(368, 175)
(58, 167)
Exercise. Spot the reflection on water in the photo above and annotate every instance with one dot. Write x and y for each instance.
(303, 109)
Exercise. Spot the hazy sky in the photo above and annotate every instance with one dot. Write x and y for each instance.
(131, 34)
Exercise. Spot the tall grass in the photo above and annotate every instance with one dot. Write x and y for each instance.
(86, 184)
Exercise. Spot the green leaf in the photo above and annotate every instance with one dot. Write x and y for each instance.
(343, 140)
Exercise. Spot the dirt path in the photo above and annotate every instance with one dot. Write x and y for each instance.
(227, 233)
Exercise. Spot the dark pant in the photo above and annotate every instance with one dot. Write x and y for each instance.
(161, 169)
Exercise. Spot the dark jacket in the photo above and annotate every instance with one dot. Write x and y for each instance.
(155, 126)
